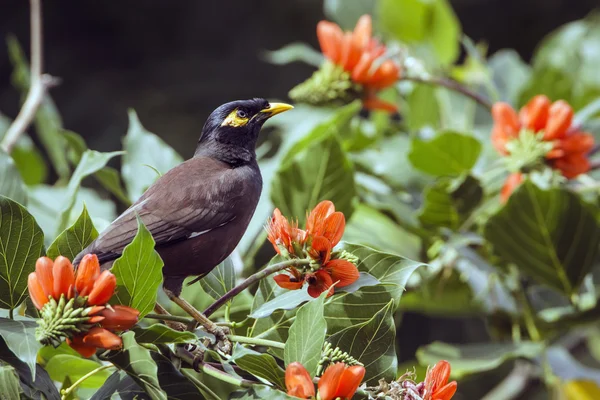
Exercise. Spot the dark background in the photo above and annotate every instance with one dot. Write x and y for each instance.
(175, 61)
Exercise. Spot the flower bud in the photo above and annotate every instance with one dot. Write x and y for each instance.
(119, 318)
(103, 289)
(87, 273)
(64, 277)
(77, 344)
(43, 270)
(100, 337)
(36, 293)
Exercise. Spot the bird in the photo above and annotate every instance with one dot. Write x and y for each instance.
(198, 211)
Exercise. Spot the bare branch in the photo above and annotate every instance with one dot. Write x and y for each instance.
(39, 83)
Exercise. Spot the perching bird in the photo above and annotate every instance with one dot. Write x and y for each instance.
(198, 211)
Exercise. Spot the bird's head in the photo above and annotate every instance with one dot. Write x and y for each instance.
(231, 131)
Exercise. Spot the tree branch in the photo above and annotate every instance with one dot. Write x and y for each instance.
(452, 85)
(252, 279)
(39, 83)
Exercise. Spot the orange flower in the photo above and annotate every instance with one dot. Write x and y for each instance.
(340, 381)
(87, 273)
(324, 221)
(569, 145)
(281, 232)
(64, 277)
(357, 52)
(103, 289)
(119, 317)
(36, 292)
(293, 282)
(436, 382)
(298, 382)
(512, 182)
(319, 282)
(87, 344)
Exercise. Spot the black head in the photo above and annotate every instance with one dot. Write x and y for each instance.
(231, 131)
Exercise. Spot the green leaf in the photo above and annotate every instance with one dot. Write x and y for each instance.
(448, 154)
(422, 107)
(110, 179)
(430, 25)
(143, 147)
(347, 12)
(555, 240)
(476, 357)
(9, 383)
(21, 244)
(307, 335)
(447, 202)
(316, 169)
(91, 162)
(64, 366)
(11, 184)
(220, 280)
(294, 52)
(48, 123)
(162, 334)
(260, 392)
(373, 228)
(74, 239)
(173, 382)
(509, 73)
(137, 362)
(289, 300)
(138, 272)
(372, 343)
(262, 365)
(19, 336)
(390, 269)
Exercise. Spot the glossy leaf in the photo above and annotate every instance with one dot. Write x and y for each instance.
(111, 180)
(91, 162)
(11, 184)
(162, 334)
(9, 383)
(137, 362)
(286, 301)
(75, 238)
(372, 343)
(448, 154)
(19, 336)
(307, 335)
(173, 382)
(220, 280)
(556, 239)
(138, 272)
(21, 243)
(262, 365)
(294, 52)
(63, 365)
(389, 269)
(143, 148)
(474, 358)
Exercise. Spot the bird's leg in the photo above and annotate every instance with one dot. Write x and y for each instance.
(178, 326)
(223, 342)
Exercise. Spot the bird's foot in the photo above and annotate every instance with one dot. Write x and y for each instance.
(222, 341)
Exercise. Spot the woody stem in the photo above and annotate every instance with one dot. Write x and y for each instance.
(252, 279)
(451, 85)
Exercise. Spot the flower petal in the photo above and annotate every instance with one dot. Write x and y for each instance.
(560, 117)
(77, 344)
(386, 75)
(330, 380)
(87, 273)
(316, 219)
(363, 31)
(572, 165)
(334, 226)
(320, 249)
(373, 103)
(103, 289)
(319, 282)
(119, 318)
(43, 270)
(506, 124)
(330, 38)
(578, 142)
(343, 272)
(512, 182)
(298, 382)
(534, 115)
(350, 381)
(446, 392)
(438, 375)
(103, 338)
(64, 277)
(36, 293)
(285, 281)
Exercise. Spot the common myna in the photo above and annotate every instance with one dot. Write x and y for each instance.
(198, 211)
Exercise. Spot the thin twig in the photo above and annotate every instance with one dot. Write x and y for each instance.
(452, 85)
(208, 369)
(39, 83)
(168, 317)
(252, 279)
(256, 341)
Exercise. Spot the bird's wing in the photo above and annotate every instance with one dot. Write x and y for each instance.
(189, 200)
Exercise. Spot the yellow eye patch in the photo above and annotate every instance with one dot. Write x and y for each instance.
(236, 118)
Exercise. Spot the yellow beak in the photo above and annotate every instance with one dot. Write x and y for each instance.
(276, 108)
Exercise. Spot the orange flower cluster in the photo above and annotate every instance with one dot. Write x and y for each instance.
(338, 381)
(554, 121)
(52, 280)
(435, 386)
(324, 230)
(356, 52)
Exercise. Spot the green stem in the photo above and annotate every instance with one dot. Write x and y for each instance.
(199, 384)
(164, 317)
(11, 313)
(256, 341)
(65, 393)
(532, 329)
(452, 85)
(252, 279)
(228, 311)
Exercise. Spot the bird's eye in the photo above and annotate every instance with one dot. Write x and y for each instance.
(242, 114)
